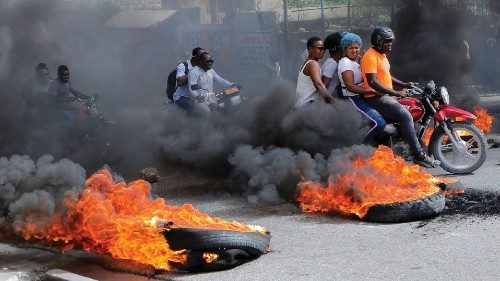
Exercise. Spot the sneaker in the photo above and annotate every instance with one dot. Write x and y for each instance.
(424, 160)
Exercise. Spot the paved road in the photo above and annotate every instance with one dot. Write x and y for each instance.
(326, 247)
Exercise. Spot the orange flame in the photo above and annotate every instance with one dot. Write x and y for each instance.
(450, 192)
(427, 136)
(210, 257)
(484, 122)
(380, 179)
(112, 218)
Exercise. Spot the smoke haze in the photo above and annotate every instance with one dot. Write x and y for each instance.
(268, 145)
(31, 191)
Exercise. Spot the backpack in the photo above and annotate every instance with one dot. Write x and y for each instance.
(172, 81)
(338, 92)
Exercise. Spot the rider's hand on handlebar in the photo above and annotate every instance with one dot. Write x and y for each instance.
(401, 94)
(410, 85)
(237, 86)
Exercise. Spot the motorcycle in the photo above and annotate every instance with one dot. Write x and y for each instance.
(91, 130)
(456, 142)
(227, 101)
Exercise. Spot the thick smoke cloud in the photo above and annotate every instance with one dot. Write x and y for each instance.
(32, 191)
(444, 44)
(267, 120)
(50, 32)
(269, 143)
(269, 175)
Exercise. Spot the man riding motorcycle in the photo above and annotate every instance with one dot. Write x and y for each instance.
(201, 79)
(376, 71)
(64, 93)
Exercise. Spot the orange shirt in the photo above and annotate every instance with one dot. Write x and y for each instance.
(375, 62)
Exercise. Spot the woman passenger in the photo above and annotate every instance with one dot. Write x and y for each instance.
(309, 85)
(351, 80)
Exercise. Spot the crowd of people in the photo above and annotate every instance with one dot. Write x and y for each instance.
(365, 81)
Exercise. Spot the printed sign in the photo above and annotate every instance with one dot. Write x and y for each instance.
(253, 48)
(209, 37)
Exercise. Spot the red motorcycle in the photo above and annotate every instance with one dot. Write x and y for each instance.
(456, 142)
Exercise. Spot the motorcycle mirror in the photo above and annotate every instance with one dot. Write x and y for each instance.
(431, 86)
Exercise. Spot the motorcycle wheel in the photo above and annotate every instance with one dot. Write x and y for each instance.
(470, 154)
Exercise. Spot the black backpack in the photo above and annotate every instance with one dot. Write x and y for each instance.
(172, 81)
(338, 91)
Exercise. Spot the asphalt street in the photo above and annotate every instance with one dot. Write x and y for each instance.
(308, 246)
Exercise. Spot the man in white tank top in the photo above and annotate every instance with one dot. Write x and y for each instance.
(309, 85)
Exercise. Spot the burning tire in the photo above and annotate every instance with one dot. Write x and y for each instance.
(407, 211)
(228, 248)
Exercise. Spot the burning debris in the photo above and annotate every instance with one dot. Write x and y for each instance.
(107, 217)
(378, 180)
(472, 201)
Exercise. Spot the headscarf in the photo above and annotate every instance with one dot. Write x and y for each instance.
(350, 38)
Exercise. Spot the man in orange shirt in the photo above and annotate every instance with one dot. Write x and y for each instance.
(377, 75)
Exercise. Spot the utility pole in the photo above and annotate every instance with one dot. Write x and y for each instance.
(349, 14)
(322, 16)
(285, 35)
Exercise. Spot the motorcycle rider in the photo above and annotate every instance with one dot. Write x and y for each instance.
(64, 92)
(309, 85)
(329, 75)
(376, 73)
(182, 96)
(37, 89)
(351, 81)
(201, 79)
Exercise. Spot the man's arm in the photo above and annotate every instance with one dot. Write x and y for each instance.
(77, 94)
(221, 81)
(401, 84)
(313, 71)
(379, 87)
(180, 75)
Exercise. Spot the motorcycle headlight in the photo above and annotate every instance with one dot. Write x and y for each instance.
(443, 93)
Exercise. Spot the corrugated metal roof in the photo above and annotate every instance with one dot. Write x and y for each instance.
(139, 18)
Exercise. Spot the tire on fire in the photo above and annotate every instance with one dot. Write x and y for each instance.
(419, 209)
(479, 144)
(232, 247)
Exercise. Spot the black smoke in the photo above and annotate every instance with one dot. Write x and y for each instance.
(207, 140)
(31, 192)
(443, 43)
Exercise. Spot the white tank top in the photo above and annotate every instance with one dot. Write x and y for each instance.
(306, 91)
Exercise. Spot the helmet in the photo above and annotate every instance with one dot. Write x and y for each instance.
(332, 42)
(379, 34)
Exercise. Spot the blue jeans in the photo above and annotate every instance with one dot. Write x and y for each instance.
(378, 121)
(392, 110)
